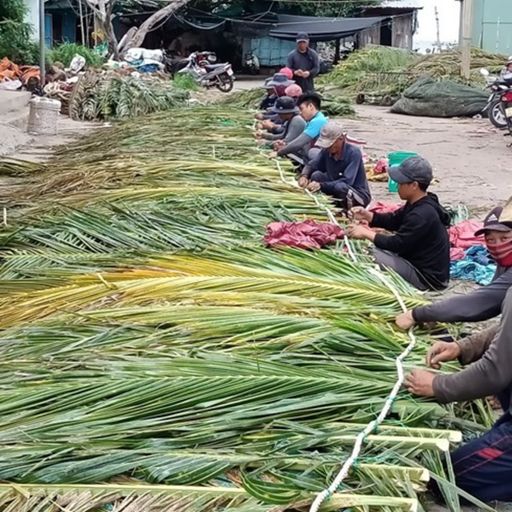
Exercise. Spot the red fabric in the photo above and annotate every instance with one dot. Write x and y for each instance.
(304, 235)
(383, 207)
(501, 253)
(490, 453)
(462, 235)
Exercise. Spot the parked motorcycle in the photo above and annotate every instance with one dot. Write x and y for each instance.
(499, 105)
(174, 63)
(207, 75)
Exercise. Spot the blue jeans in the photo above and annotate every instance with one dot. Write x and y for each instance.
(483, 467)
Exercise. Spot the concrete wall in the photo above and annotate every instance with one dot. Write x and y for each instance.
(492, 25)
(33, 16)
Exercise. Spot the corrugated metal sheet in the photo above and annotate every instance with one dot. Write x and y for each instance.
(492, 25)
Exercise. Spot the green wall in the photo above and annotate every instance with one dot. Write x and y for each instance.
(492, 25)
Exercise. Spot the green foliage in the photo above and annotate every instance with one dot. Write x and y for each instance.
(65, 52)
(109, 95)
(15, 34)
(153, 346)
(185, 82)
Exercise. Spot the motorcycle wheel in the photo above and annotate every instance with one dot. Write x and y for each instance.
(224, 83)
(496, 114)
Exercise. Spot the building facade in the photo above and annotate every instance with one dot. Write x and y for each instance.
(492, 25)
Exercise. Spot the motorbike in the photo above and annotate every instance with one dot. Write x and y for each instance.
(499, 105)
(209, 75)
(252, 63)
(174, 63)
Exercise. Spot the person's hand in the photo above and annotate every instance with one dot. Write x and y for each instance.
(405, 321)
(441, 352)
(360, 213)
(298, 72)
(268, 125)
(258, 134)
(272, 154)
(420, 382)
(305, 74)
(313, 186)
(259, 116)
(359, 232)
(279, 144)
(303, 182)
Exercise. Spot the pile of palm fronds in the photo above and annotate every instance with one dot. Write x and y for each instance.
(447, 65)
(115, 95)
(374, 69)
(157, 357)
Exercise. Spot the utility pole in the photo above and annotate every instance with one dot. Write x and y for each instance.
(438, 40)
(42, 63)
(466, 39)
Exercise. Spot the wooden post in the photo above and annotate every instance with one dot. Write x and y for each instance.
(337, 51)
(466, 40)
(42, 42)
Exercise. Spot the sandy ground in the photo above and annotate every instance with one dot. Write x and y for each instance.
(471, 159)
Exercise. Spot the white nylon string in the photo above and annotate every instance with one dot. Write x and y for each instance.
(370, 428)
(388, 404)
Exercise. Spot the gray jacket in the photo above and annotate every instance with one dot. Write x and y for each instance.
(292, 129)
(308, 61)
(479, 305)
(489, 355)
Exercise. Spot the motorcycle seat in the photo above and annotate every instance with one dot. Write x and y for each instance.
(211, 67)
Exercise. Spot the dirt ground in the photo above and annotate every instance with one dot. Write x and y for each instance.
(471, 160)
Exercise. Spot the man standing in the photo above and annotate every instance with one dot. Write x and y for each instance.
(305, 63)
(338, 170)
(419, 248)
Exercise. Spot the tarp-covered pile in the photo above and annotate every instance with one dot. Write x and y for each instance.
(430, 97)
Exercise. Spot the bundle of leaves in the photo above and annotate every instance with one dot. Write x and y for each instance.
(370, 70)
(65, 52)
(112, 95)
(156, 356)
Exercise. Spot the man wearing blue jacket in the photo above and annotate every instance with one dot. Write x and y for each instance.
(338, 169)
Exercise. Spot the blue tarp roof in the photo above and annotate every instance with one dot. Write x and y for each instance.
(319, 28)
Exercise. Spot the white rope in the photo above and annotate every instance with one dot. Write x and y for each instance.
(370, 428)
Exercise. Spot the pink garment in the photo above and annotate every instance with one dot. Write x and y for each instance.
(384, 207)
(462, 235)
(456, 254)
(304, 235)
(287, 72)
(294, 91)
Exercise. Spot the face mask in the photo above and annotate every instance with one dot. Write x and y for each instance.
(501, 253)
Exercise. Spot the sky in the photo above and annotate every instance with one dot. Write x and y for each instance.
(448, 20)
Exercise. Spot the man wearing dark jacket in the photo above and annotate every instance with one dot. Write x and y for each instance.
(419, 249)
(338, 169)
(483, 467)
(305, 63)
(484, 302)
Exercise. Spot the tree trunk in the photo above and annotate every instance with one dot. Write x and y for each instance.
(136, 39)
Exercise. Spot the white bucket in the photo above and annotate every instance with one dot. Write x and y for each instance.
(43, 116)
